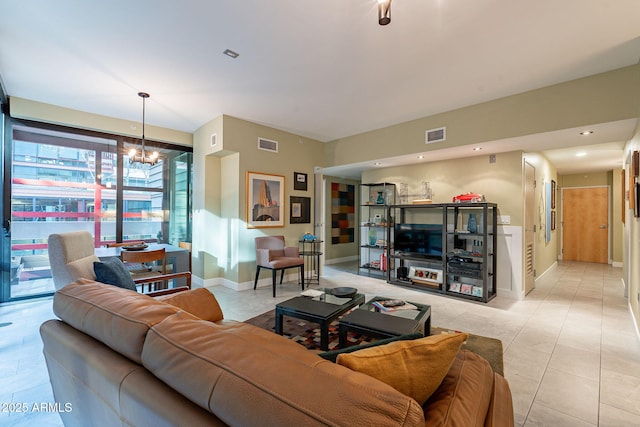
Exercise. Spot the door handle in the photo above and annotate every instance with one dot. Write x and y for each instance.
(603, 226)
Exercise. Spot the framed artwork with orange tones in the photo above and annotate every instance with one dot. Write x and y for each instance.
(265, 200)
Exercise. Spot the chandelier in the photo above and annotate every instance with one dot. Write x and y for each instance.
(142, 156)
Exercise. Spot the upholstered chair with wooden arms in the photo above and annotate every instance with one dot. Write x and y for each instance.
(271, 253)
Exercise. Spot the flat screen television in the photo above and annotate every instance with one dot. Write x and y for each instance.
(422, 240)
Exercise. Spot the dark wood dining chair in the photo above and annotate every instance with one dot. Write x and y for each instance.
(147, 264)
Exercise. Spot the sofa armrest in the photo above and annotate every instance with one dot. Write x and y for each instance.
(500, 411)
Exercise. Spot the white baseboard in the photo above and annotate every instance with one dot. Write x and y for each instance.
(339, 260)
(616, 264)
(547, 271)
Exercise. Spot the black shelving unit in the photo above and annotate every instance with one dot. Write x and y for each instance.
(374, 202)
(446, 247)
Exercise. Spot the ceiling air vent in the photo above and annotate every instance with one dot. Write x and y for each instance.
(214, 139)
(435, 135)
(267, 145)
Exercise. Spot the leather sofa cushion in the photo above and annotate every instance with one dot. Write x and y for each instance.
(464, 396)
(118, 317)
(414, 367)
(281, 383)
(199, 302)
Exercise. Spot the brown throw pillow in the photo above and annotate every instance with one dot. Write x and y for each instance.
(415, 368)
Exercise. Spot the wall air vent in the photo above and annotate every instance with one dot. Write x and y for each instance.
(435, 135)
(214, 139)
(268, 145)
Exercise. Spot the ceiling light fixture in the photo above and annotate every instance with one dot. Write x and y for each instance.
(142, 157)
(384, 12)
(231, 54)
(586, 132)
(581, 154)
(377, 164)
(421, 157)
(477, 148)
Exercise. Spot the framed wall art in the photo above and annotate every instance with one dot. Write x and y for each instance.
(299, 210)
(265, 200)
(300, 181)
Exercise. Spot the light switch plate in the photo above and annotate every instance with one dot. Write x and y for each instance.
(504, 219)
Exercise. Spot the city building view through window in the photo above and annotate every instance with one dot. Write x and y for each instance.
(63, 181)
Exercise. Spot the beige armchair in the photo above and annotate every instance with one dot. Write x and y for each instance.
(71, 257)
(272, 253)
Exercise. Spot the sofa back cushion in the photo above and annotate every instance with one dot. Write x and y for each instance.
(281, 383)
(118, 317)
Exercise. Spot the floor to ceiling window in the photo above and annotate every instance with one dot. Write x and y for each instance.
(62, 180)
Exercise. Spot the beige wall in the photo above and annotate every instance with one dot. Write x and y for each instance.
(632, 238)
(228, 245)
(500, 182)
(596, 99)
(546, 252)
(32, 110)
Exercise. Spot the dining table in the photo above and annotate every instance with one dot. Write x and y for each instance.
(178, 257)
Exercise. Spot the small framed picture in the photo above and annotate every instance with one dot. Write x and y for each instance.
(300, 181)
(300, 210)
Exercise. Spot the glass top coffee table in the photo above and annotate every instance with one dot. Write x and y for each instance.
(370, 321)
(322, 309)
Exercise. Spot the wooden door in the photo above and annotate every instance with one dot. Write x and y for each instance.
(585, 224)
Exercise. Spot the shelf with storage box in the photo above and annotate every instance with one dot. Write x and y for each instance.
(471, 239)
(446, 248)
(375, 199)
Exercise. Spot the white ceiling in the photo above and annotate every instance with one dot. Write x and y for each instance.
(321, 69)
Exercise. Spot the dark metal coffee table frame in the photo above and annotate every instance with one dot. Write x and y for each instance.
(316, 310)
(369, 321)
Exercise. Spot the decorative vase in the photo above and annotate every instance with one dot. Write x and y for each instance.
(380, 199)
(372, 237)
(472, 225)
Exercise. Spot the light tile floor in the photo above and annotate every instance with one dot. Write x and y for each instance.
(572, 354)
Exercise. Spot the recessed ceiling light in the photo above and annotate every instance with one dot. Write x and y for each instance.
(477, 148)
(421, 156)
(586, 132)
(231, 54)
(377, 164)
(581, 154)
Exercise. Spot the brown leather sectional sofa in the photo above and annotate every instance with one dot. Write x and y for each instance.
(117, 357)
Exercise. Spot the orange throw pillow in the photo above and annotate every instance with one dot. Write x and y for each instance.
(199, 302)
(415, 368)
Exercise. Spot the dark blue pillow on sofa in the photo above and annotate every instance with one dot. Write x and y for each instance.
(113, 272)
